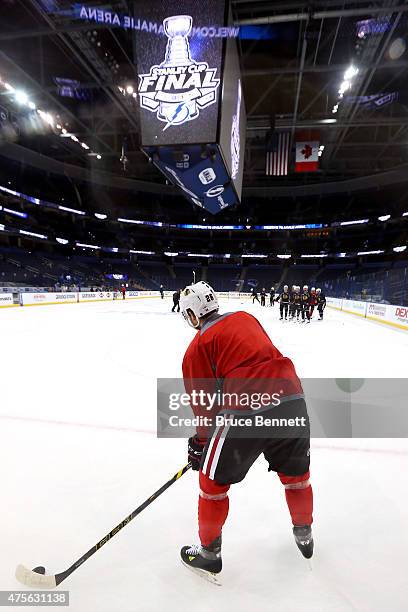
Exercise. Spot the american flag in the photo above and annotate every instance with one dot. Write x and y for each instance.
(277, 154)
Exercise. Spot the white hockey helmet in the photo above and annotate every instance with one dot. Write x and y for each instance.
(313, 289)
(285, 287)
(200, 298)
(318, 290)
(305, 287)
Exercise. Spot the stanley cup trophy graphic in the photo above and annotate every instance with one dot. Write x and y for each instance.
(176, 111)
(177, 29)
(179, 87)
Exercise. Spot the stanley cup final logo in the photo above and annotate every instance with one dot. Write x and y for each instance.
(178, 88)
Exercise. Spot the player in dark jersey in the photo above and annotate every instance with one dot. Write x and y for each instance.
(272, 296)
(254, 295)
(176, 300)
(304, 303)
(235, 349)
(312, 303)
(291, 304)
(283, 299)
(321, 303)
(295, 303)
(263, 297)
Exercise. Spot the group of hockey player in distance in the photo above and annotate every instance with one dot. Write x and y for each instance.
(294, 304)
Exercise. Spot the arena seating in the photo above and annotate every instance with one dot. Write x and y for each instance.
(378, 282)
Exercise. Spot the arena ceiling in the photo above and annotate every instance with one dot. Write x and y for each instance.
(294, 57)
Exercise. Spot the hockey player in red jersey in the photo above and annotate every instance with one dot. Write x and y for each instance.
(234, 351)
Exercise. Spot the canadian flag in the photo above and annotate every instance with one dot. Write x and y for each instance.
(307, 158)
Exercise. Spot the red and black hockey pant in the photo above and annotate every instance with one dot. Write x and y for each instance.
(228, 456)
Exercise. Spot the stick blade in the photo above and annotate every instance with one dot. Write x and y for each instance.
(32, 579)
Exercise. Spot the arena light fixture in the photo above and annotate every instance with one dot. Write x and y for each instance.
(2, 227)
(341, 254)
(254, 256)
(122, 220)
(62, 240)
(378, 252)
(405, 214)
(99, 156)
(72, 210)
(384, 217)
(169, 254)
(87, 246)
(205, 255)
(350, 73)
(47, 117)
(399, 249)
(129, 89)
(355, 222)
(282, 256)
(16, 213)
(101, 216)
(142, 252)
(314, 256)
(33, 234)
(21, 97)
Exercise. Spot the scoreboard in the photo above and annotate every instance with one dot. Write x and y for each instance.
(192, 111)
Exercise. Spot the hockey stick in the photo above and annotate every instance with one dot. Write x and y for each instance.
(37, 578)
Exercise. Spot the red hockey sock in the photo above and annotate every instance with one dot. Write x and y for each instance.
(213, 506)
(299, 497)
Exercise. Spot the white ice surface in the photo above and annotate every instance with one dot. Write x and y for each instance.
(78, 452)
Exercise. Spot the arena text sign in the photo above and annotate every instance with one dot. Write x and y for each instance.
(99, 15)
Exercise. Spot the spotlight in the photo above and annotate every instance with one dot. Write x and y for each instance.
(129, 89)
(21, 97)
(350, 73)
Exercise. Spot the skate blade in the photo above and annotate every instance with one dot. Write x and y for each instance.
(209, 576)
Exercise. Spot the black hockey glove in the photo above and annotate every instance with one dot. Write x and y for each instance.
(195, 451)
